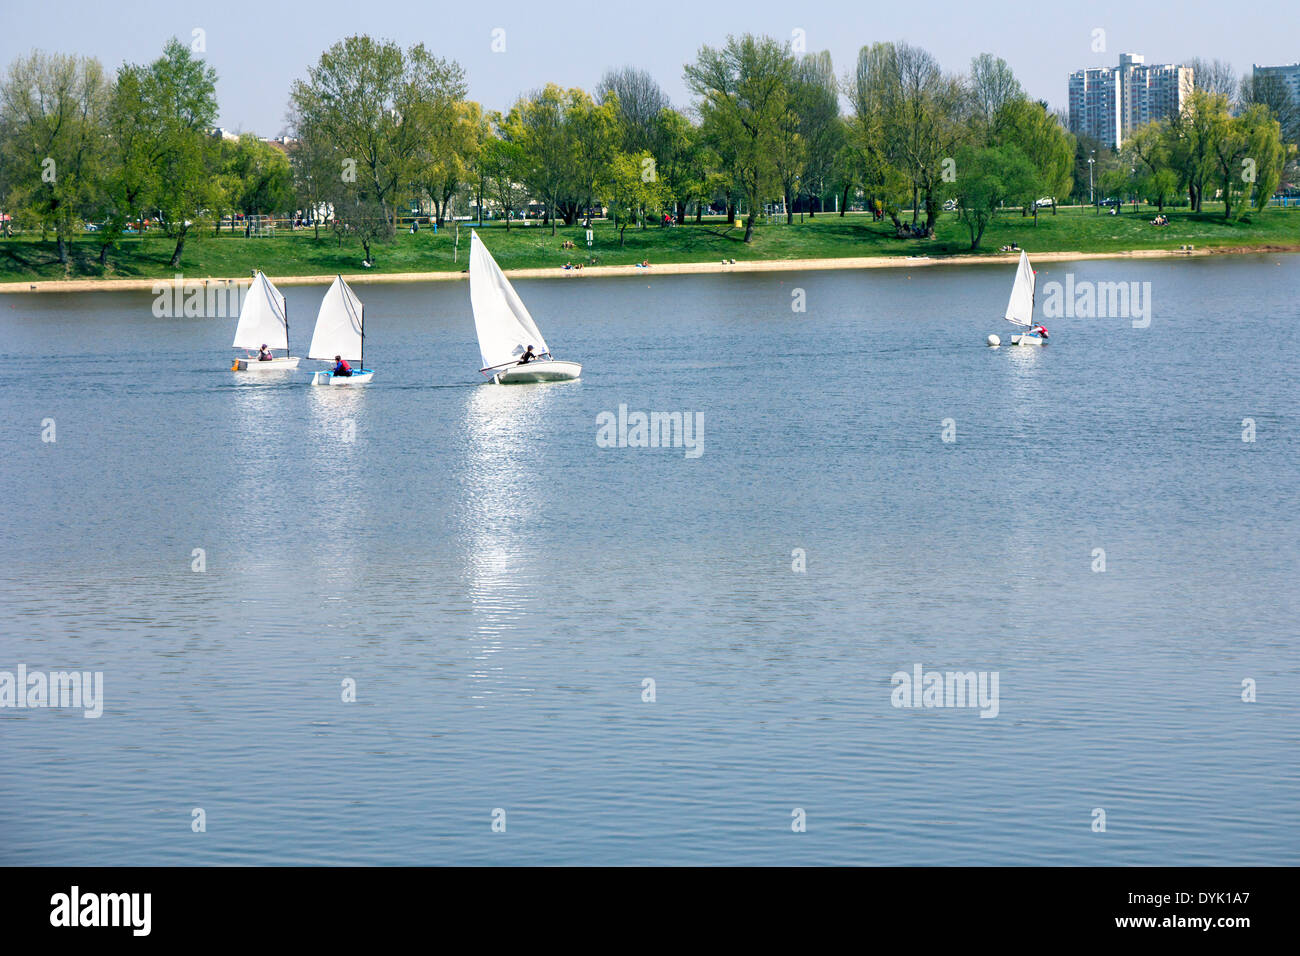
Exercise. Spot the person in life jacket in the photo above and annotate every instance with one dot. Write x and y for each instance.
(341, 367)
(1039, 329)
(264, 354)
(527, 357)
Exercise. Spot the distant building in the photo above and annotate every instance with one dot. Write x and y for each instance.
(1289, 75)
(1108, 104)
(1095, 105)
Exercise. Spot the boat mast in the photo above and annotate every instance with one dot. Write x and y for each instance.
(361, 326)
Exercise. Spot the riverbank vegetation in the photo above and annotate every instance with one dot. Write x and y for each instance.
(778, 156)
(299, 253)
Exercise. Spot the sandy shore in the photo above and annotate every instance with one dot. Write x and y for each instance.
(670, 268)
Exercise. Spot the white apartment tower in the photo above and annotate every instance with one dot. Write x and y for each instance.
(1109, 104)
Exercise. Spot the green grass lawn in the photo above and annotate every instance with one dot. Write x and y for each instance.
(827, 236)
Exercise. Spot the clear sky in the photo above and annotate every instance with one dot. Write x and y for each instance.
(259, 48)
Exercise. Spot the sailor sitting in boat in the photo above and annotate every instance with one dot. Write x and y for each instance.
(527, 357)
(264, 354)
(1039, 330)
(341, 367)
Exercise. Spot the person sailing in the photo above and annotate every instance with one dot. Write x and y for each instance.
(264, 354)
(341, 368)
(1039, 329)
(527, 357)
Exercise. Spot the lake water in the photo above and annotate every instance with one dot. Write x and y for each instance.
(500, 587)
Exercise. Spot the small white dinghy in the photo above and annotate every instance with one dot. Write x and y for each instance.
(340, 330)
(1020, 310)
(263, 320)
(505, 329)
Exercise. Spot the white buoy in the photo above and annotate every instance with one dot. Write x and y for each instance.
(994, 341)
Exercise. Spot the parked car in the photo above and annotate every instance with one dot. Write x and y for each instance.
(950, 205)
(91, 227)
(1110, 201)
(1045, 201)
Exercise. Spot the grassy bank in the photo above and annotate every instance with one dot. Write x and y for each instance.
(827, 236)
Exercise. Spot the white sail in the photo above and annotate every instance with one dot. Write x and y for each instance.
(505, 329)
(1020, 309)
(262, 319)
(339, 325)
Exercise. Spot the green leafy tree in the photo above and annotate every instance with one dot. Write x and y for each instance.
(631, 195)
(1248, 155)
(744, 91)
(1036, 133)
(503, 165)
(988, 178)
(53, 115)
(176, 105)
(378, 107)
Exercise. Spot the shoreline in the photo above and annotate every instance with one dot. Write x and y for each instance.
(667, 268)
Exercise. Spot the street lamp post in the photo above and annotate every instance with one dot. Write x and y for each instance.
(1091, 159)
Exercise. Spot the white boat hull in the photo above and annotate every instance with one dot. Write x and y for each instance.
(541, 370)
(274, 365)
(362, 377)
(1026, 340)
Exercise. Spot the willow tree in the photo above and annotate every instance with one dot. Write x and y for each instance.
(377, 106)
(744, 108)
(53, 113)
(1248, 155)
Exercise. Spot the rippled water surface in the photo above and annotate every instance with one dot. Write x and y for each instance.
(499, 587)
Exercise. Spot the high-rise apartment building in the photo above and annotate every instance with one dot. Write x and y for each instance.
(1289, 76)
(1108, 104)
(1095, 104)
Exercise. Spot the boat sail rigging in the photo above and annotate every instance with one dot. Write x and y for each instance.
(340, 330)
(505, 328)
(263, 320)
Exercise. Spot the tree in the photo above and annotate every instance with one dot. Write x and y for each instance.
(1248, 155)
(594, 134)
(317, 172)
(1036, 133)
(445, 160)
(566, 141)
(53, 112)
(1190, 142)
(744, 107)
(631, 195)
(993, 86)
(1214, 77)
(263, 177)
(177, 105)
(1270, 90)
(987, 178)
(910, 118)
(640, 101)
(678, 161)
(131, 159)
(378, 107)
(503, 164)
(816, 103)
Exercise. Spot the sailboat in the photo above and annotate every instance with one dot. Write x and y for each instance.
(340, 330)
(1020, 309)
(263, 320)
(505, 329)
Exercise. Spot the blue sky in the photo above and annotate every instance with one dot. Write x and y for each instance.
(259, 48)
